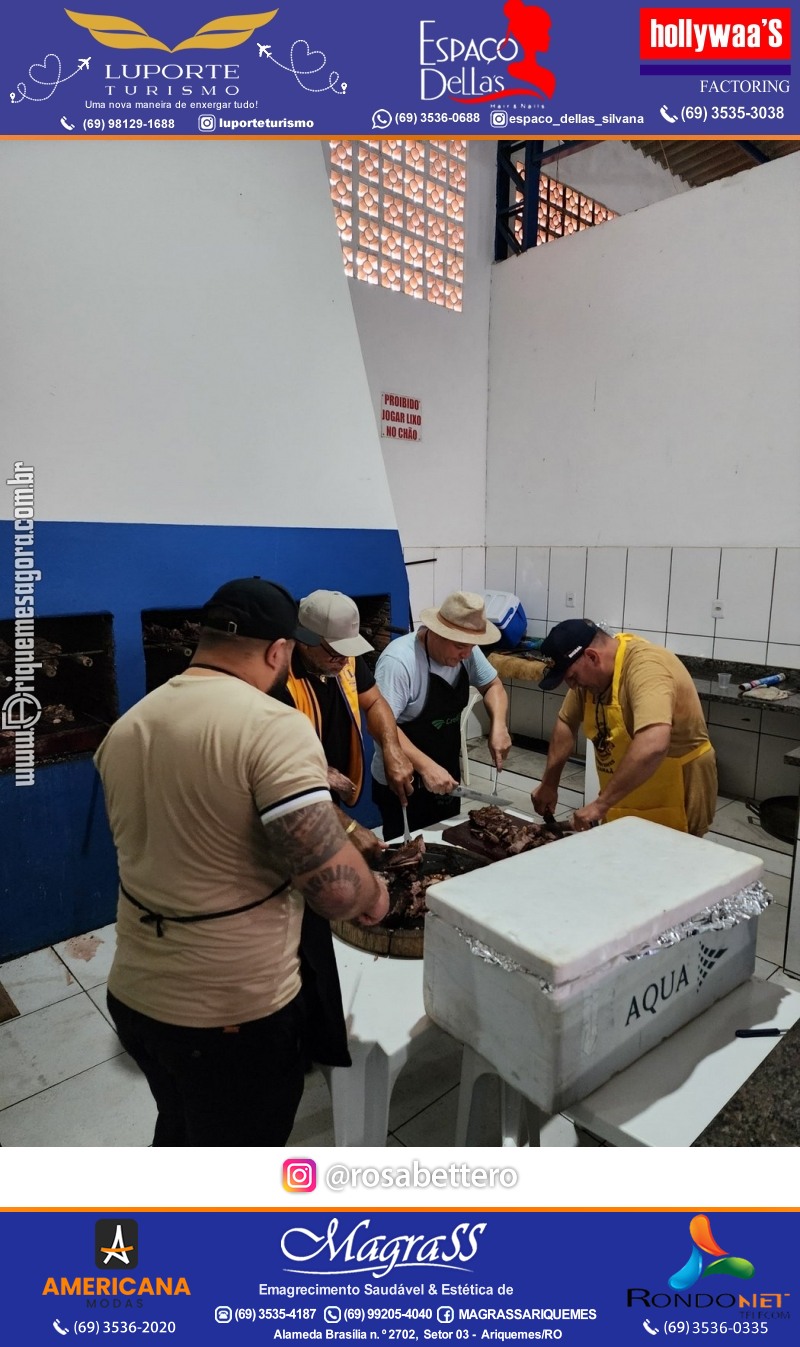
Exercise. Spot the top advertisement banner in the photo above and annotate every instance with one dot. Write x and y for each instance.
(499, 68)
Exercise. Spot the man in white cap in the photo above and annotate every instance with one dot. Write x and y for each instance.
(332, 684)
(425, 678)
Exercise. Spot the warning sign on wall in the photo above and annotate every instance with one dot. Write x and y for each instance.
(401, 417)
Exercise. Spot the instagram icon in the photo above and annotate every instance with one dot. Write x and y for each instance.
(299, 1176)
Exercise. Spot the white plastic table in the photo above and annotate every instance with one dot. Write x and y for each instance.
(666, 1098)
(386, 1023)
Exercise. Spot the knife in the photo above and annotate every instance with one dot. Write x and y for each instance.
(467, 793)
(557, 829)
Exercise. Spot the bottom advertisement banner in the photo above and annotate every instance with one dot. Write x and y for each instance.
(383, 1276)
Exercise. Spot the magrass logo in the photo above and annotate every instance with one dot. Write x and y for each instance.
(116, 1243)
(695, 1267)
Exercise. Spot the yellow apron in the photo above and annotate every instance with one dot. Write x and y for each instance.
(304, 698)
(659, 799)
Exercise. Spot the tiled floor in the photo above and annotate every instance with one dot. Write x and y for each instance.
(65, 1081)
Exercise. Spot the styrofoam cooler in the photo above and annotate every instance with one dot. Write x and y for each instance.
(525, 960)
(508, 614)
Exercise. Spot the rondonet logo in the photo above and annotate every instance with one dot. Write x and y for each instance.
(755, 1304)
(703, 1242)
(359, 1251)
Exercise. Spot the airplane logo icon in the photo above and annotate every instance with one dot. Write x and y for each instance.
(264, 50)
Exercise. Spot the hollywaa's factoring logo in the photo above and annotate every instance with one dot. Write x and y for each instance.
(359, 1251)
(463, 66)
(126, 35)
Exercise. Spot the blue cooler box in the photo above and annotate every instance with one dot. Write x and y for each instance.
(507, 613)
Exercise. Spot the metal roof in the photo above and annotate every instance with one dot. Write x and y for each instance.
(698, 162)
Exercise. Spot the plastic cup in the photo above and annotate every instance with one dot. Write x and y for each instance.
(723, 680)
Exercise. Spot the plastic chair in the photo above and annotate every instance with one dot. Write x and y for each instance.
(474, 696)
(520, 1120)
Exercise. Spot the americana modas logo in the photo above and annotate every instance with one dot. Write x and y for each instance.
(116, 1243)
(696, 1266)
(126, 35)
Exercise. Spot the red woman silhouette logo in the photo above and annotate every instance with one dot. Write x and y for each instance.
(529, 26)
(528, 34)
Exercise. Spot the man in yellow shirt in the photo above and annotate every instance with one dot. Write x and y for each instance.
(639, 707)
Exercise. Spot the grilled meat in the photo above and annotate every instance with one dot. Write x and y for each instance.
(408, 855)
(509, 835)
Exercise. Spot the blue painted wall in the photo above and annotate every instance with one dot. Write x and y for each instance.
(57, 866)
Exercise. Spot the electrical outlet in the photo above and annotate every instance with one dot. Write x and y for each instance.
(569, 598)
(717, 608)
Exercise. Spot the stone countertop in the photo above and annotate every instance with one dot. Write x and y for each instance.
(764, 1112)
(529, 669)
(710, 690)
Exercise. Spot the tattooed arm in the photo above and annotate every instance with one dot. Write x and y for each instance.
(331, 874)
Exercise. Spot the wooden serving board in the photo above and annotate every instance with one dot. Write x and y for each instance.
(405, 942)
(461, 835)
(401, 943)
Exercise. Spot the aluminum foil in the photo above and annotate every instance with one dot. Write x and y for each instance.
(721, 916)
(492, 956)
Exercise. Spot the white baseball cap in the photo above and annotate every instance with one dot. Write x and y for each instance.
(334, 617)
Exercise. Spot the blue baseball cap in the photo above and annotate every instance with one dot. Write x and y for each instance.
(564, 644)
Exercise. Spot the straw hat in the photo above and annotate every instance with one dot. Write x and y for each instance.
(462, 618)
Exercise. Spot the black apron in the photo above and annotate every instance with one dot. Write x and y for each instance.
(436, 732)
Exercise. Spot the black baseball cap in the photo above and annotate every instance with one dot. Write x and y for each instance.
(256, 608)
(563, 645)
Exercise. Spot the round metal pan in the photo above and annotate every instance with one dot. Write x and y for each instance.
(777, 816)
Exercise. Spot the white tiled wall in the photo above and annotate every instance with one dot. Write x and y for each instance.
(661, 592)
(647, 589)
(664, 594)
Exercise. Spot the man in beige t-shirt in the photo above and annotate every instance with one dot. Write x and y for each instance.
(639, 707)
(219, 805)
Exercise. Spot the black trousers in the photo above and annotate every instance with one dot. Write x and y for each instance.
(217, 1087)
(424, 809)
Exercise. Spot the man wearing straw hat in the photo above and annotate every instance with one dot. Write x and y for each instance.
(426, 677)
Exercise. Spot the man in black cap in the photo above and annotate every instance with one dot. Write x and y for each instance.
(640, 709)
(218, 801)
